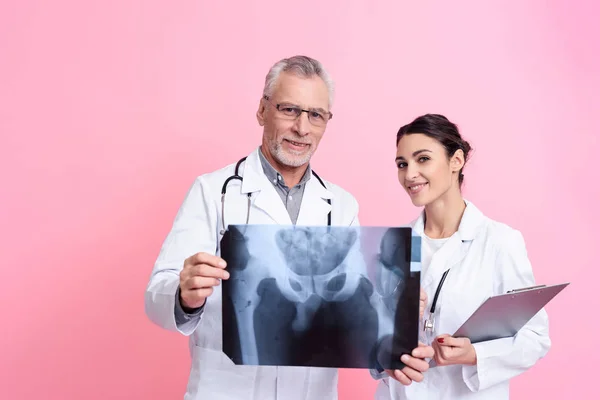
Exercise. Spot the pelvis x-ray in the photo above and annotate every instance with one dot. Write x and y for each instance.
(339, 297)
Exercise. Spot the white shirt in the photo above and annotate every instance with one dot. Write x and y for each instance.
(429, 247)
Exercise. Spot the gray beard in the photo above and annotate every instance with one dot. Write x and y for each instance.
(282, 157)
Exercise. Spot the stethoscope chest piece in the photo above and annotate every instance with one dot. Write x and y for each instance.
(429, 324)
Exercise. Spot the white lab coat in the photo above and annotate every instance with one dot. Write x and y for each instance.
(486, 258)
(196, 228)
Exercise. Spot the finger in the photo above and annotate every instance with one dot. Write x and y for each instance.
(401, 377)
(413, 375)
(440, 356)
(391, 373)
(423, 351)
(441, 350)
(416, 364)
(445, 353)
(206, 271)
(449, 341)
(205, 258)
(200, 282)
(437, 355)
(441, 339)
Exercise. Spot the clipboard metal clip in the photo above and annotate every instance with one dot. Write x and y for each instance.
(527, 288)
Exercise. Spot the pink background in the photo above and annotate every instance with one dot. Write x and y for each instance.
(109, 109)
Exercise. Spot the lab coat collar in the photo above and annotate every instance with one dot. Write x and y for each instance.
(469, 223)
(451, 254)
(255, 180)
(254, 176)
(314, 208)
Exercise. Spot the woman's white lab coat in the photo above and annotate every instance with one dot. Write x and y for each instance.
(486, 258)
(196, 228)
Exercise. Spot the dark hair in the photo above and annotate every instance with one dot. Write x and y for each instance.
(438, 127)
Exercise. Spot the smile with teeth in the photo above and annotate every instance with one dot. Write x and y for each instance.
(297, 143)
(416, 188)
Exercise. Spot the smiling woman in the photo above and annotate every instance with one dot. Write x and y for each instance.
(474, 258)
(439, 152)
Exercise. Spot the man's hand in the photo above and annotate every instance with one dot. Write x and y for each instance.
(415, 365)
(200, 273)
(422, 303)
(450, 350)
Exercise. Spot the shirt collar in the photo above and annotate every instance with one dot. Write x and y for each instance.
(274, 176)
(470, 222)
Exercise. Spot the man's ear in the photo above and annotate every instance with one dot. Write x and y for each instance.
(260, 113)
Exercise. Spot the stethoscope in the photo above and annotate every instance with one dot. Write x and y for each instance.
(237, 176)
(430, 322)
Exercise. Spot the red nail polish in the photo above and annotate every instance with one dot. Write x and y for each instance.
(441, 340)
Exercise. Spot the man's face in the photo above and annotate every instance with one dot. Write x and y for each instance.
(288, 140)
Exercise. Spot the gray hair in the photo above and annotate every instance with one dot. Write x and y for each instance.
(302, 66)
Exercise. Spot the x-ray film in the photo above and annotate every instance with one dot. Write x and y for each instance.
(338, 297)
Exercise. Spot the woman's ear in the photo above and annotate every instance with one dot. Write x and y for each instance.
(457, 162)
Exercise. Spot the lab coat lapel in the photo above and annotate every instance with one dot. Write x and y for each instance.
(450, 254)
(269, 202)
(455, 249)
(467, 230)
(264, 195)
(314, 207)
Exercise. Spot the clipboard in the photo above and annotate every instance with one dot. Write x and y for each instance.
(503, 315)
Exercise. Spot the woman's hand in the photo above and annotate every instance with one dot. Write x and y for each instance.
(450, 350)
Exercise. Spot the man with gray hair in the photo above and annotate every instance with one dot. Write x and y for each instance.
(273, 185)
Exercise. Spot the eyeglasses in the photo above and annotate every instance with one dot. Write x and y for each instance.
(291, 111)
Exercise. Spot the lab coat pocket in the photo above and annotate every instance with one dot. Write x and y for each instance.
(213, 367)
(213, 359)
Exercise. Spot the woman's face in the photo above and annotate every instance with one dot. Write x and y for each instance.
(424, 169)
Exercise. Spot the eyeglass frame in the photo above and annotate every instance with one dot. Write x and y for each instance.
(301, 110)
